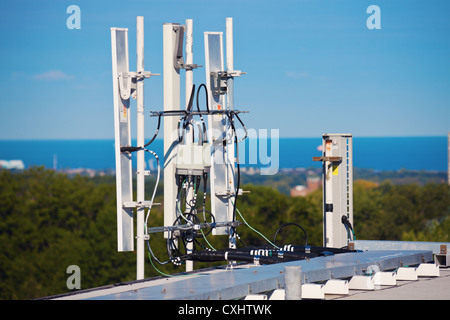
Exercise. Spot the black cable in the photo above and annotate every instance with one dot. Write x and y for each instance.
(133, 149)
(263, 257)
(207, 108)
(180, 136)
(154, 257)
(290, 224)
(172, 248)
(191, 99)
(345, 221)
(206, 93)
(205, 179)
(265, 254)
(348, 226)
(183, 237)
(213, 220)
(238, 169)
(189, 108)
(243, 126)
(302, 248)
(156, 133)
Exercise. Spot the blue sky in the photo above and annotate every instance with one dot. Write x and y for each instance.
(312, 66)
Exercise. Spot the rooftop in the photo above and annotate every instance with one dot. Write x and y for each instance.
(415, 276)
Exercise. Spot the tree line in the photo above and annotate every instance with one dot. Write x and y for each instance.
(49, 221)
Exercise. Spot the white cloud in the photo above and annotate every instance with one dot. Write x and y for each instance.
(52, 75)
(296, 74)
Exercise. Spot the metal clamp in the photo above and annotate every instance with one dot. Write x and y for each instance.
(219, 80)
(134, 204)
(178, 61)
(331, 159)
(127, 82)
(231, 193)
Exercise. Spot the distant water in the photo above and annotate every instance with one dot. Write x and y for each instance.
(412, 153)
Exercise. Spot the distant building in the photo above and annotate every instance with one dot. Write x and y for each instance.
(250, 170)
(12, 164)
(313, 183)
(298, 191)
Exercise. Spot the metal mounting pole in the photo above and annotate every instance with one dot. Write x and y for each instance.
(230, 106)
(190, 132)
(140, 192)
(337, 177)
(171, 102)
(189, 58)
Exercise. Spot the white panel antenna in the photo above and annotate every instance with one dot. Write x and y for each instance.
(220, 84)
(217, 132)
(337, 179)
(128, 84)
(124, 184)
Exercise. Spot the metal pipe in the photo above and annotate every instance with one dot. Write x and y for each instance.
(140, 179)
(230, 135)
(190, 130)
(328, 233)
(229, 44)
(189, 58)
(171, 102)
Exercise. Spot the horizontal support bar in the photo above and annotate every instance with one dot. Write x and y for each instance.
(185, 227)
(332, 159)
(134, 204)
(193, 113)
(231, 193)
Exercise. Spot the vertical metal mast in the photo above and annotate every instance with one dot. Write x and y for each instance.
(337, 176)
(230, 62)
(230, 105)
(128, 84)
(189, 81)
(171, 102)
(189, 58)
(140, 192)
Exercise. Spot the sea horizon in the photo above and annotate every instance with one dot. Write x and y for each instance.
(428, 153)
(160, 138)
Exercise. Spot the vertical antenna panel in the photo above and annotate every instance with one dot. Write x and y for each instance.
(230, 133)
(121, 90)
(171, 102)
(337, 188)
(217, 132)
